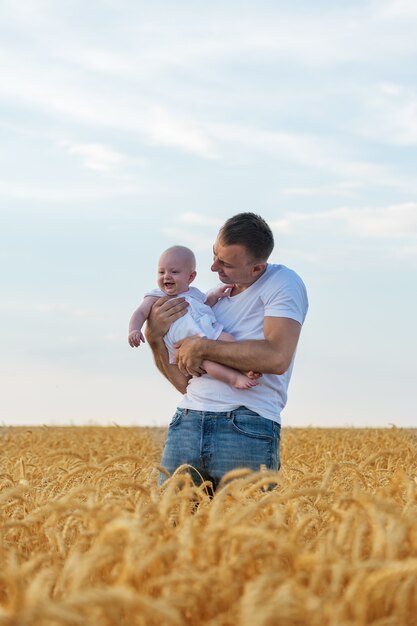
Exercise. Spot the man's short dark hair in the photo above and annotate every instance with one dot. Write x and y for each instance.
(251, 231)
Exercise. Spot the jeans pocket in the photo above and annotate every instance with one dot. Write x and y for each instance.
(253, 426)
(176, 418)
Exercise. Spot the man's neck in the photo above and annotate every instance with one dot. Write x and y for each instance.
(238, 288)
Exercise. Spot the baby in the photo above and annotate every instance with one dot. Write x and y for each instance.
(176, 271)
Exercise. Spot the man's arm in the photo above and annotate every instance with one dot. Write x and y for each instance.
(164, 312)
(169, 370)
(271, 355)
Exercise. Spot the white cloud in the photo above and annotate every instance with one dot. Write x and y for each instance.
(309, 150)
(282, 226)
(146, 56)
(101, 60)
(343, 188)
(399, 220)
(25, 190)
(169, 129)
(114, 338)
(64, 310)
(200, 220)
(195, 230)
(390, 114)
(392, 221)
(17, 190)
(181, 36)
(60, 92)
(408, 252)
(397, 9)
(96, 156)
(196, 240)
(317, 37)
(390, 89)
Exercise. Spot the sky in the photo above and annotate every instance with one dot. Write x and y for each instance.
(130, 126)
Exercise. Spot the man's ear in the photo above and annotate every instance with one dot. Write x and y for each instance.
(192, 276)
(258, 269)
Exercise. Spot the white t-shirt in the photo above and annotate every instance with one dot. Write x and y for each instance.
(199, 320)
(279, 292)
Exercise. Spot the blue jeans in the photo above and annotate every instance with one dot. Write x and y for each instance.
(216, 443)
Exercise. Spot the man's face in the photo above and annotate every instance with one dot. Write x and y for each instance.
(233, 264)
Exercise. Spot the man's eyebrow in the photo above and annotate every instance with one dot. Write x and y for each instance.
(221, 260)
(215, 254)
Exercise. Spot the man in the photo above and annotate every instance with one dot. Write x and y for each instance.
(217, 428)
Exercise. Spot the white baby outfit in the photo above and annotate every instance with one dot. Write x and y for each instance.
(199, 319)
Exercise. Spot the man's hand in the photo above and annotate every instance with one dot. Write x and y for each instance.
(164, 312)
(189, 355)
(135, 338)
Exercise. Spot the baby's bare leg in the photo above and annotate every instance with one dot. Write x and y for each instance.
(252, 375)
(229, 375)
(226, 337)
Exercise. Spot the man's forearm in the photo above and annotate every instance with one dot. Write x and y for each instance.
(170, 371)
(271, 355)
(255, 355)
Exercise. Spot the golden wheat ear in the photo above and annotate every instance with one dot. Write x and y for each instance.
(88, 537)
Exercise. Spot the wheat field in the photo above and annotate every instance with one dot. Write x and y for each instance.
(88, 538)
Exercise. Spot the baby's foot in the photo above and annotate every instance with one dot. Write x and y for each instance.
(244, 382)
(253, 375)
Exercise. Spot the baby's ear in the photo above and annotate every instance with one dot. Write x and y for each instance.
(192, 276)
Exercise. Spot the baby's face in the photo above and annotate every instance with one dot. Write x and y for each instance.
(174, 273)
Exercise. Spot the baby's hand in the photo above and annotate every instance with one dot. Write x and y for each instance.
(135, 338)
(223, 291)
(216, 294)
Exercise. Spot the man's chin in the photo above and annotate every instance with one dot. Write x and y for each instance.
(226, 280)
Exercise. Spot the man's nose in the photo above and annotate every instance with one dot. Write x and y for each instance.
(214, 267)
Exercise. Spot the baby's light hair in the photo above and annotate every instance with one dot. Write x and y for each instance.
(186, 252)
